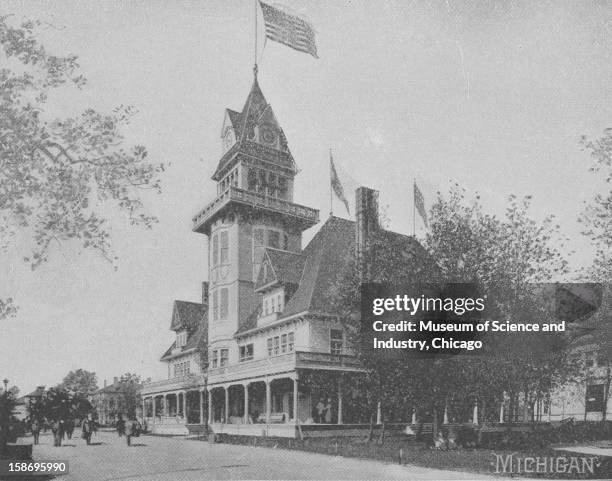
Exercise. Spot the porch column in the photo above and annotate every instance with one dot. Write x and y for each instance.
(201, 393)
(378, 414)
(414, 419)
(339, 401)
(144, 408)
(226, 404)
(210, 406)
(295, 399)
(246, 403)
(501, 412)
(268, 401)
(154, 413)
(166, 407)
(475, 413)
(185, 406)
(445, 420)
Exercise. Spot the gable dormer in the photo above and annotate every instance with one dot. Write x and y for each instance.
(267, 278)
(231, 130)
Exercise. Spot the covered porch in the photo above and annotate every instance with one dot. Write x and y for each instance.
(174, 407)
(284, 405)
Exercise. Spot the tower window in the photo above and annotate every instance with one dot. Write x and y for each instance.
(215, 249)
(274, 239)
(252, 180)
(335, 341)
(224, 303)
(215, 305)
(224, 247)
(283, 187)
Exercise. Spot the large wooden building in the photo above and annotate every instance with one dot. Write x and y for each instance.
(268, 318)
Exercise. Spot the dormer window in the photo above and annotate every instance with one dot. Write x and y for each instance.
(274, 301)
(181, 338)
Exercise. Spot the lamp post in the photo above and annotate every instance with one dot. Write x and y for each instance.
(5, 381)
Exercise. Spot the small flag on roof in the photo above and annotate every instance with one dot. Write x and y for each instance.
(419, 204)
(336, 184)
(289, 30)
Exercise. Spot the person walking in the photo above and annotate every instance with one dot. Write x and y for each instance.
(132, 428)
(35, 428)
(58, 433)
(120, 426)
(69, 428)
(87, 429)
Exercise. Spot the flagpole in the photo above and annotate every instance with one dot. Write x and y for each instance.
(331, 196)
(414, 207)
(255, 56)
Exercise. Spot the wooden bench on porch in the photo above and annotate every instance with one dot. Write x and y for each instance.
(275, 418)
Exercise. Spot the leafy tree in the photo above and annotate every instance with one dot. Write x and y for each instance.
(53, 171)
(8, 402)
(57, 403)
(597, 216)
(131, 385)
(506, 256)
(80, 382)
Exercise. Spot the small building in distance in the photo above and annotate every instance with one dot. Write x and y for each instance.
(23, 402)
(115, 399)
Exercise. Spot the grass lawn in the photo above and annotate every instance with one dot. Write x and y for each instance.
(469, 460)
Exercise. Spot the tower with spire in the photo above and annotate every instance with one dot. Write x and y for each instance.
(253, 209)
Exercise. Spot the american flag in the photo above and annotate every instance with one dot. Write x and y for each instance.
(419, 203)
(289, 30)
(337, 185)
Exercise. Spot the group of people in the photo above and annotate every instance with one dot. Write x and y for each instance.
(63, 429)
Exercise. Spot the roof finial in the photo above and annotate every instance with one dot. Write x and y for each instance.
(255, 70)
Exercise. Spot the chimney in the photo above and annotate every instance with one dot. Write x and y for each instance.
(115, 380)
(105, 383)
(205, 293)
(366, 216)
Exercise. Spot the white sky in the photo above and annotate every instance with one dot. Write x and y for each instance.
(493, 95)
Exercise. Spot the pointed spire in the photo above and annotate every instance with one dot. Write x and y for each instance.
(255, 70)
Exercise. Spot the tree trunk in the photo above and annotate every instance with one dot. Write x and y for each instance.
(604, 409)
(381, 438)
(434, 425)
(371, 432)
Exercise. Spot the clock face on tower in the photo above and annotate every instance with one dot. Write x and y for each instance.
(228, 139)
(268, 135)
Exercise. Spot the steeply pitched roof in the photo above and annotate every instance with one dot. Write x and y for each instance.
(192, 316)
(286, 267)
(187, 315)
(323, 263)
(236, 120)
(256, 111)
